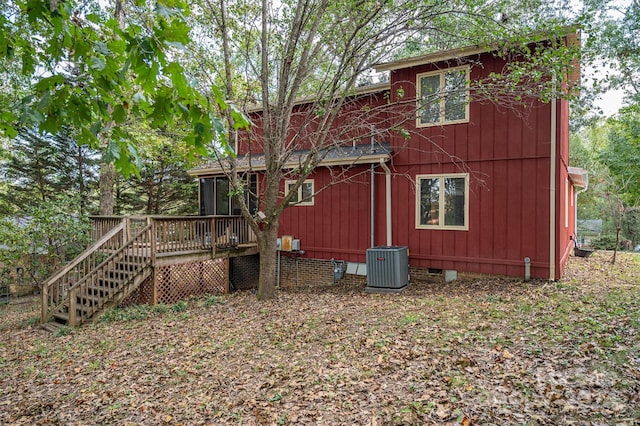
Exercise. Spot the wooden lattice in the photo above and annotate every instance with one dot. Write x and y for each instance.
(179, 282)
(142, 295)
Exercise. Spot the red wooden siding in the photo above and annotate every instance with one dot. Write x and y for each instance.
(509, 164)
(338, 224)
(353, 124)
(505, 150)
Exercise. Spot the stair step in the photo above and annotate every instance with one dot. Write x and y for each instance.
(52, 326)
(61, 318)
(107, 283)
(90, 299)
(125, 268)
(97, 288)
(118, 275)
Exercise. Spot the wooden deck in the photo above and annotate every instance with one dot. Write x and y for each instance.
(125, 253)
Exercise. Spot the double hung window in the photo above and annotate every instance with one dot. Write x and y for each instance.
(442, 201)
(443, 97)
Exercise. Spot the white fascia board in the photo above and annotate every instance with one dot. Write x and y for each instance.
(579, 176)
(347, 161)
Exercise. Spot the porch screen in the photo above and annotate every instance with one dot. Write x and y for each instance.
(215, 199)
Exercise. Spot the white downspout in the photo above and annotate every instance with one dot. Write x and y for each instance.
(552, 192)
(387, 174)
(373, 206)
(575, 216)
(373, 195)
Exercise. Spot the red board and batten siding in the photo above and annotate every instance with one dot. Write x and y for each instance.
(509, 160)
(338, 224)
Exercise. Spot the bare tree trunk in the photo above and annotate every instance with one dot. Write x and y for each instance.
(107, 183)
(108, 170)
(81, 183)
(615, 249)
(268, 262)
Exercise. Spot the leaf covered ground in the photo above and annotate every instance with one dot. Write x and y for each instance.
(477, 352)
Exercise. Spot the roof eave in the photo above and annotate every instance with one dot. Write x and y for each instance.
(461, 52)
(358, 91)
(579, 177)
(433, 58)
(348, 161)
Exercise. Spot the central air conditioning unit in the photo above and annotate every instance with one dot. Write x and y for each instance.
(387, 269)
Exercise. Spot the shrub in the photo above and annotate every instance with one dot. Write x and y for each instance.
(180, 306)
(604, 242)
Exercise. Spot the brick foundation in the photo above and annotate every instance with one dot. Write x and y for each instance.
(304, 272)
(319, 272)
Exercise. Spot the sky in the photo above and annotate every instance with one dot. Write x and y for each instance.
(610, 102)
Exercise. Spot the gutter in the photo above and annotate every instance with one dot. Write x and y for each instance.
(575, 214)
(580, 178)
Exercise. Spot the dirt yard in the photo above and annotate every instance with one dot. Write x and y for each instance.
(480, 352)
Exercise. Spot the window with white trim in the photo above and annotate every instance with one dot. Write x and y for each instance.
(443, 97)
(304, 195)
(567, 195)
(442, 201)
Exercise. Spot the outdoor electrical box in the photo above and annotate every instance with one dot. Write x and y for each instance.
(387, 268)
(287, 243)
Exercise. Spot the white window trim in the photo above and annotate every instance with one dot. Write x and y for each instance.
(310, 202)
(442, 121)
(441, 225)
(567, 195)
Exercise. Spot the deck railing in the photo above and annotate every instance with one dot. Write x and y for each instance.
(232, 230)
(136, 241)
(55, 289)
(183, 233)
(110, 277)
(104, 224)
(180, 234)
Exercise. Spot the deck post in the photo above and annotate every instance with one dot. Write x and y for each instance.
(125, 229)
(213, 238)
(154, 279)
(44, 308)
(72, 307)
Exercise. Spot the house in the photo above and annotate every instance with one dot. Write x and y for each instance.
(470, 185)
(588, 230)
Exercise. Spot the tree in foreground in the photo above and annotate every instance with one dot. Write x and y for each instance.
(84, 67)
(322, 50)
(94, 73)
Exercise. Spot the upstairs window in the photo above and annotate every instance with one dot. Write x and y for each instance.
(304, 194)
(442, 201)
(443, 97)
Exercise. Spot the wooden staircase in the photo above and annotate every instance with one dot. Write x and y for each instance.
(99, 278)
(125, 253)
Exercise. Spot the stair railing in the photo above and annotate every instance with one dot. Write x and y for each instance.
(55, 289)
(134, 257)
